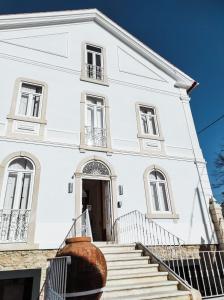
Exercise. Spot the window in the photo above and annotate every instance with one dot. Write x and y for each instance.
(95, 127)
(16, 201)
(159, 192)
(149, 123)
(29, 100)
(94, 62)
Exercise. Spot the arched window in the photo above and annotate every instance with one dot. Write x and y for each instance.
(159, 191)
(95, 168)
(18, 185)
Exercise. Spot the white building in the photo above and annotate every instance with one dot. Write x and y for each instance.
(91, 117)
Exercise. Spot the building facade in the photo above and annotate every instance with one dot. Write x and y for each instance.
(92, 118)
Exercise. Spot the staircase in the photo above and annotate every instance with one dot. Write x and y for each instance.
(132, 276)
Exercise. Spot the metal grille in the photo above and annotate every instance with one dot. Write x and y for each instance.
(14, 225)
(95, 168)
(94, 72)
(95, 136)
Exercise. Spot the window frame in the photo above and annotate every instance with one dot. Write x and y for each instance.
(84, 76)
(13, 116)
(141, 134)
(151, 212)
(106, 126)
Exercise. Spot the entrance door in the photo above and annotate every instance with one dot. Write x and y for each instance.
(96, 198)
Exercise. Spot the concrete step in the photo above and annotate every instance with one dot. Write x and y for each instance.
(115, 280)
(120, 291)
(121, 249)
(171, 295)
(123, 254)
(132, 269)
(142, 260)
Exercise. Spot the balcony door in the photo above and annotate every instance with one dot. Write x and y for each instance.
(15, 204)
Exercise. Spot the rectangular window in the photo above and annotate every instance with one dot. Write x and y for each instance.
(95, 131)
(149, 123)
(94, 62)
(29, 102)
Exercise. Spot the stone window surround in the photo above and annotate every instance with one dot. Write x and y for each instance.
(150, 213)
(83, 71)
(13, 116)
(83, 145)
(32, 223)
(142, 135)
(78, 184)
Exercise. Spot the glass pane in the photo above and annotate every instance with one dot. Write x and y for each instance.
(31, 89)
(159, 176)
(152, 125)
(144, 124)
(10, 191)
(99, 117)
(154, 196)
(94, 49)
(20, 164)
(89, 58)
(90, 117)
(163, 195)
(152, 175)
(25, 188)
(23, 105)
(98, 60)
(35, 106)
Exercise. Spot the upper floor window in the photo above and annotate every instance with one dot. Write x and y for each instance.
(94, 62)
(29, 100)
(149, 124)
(159, 191)
(95, 125)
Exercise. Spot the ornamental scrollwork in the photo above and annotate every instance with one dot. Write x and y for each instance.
(95, 168)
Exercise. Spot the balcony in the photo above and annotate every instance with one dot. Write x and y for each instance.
(94, 72)
(14, 225)
(95, 136)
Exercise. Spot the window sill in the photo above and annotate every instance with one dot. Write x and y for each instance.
(26, 119)
(162, 216)
(150, 137)
(18, 246)
(82, 148)
(101, 82)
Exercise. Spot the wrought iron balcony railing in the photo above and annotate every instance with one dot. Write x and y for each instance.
(94, 72)
(95, 136)
(14, 225)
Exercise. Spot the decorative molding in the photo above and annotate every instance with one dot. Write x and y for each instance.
(80, 16)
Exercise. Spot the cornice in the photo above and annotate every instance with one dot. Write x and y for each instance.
(8, 22)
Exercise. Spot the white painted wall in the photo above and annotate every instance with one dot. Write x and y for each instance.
(53, 55)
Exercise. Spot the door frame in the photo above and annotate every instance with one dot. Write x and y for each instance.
(79, 176)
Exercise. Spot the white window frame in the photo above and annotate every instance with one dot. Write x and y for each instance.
(30, 97)
(19, 173)
(84, 73)
(148, 115)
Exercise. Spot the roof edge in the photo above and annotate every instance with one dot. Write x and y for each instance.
(25, 20)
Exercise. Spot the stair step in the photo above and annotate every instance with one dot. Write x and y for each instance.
(108, 250)
(136, 278)
(115, 261)
(123, 254)
(171, 295)
(132, 269)
(141, 288)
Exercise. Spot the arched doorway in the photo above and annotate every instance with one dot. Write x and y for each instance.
(96, 185)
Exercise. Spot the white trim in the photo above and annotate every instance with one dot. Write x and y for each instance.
(79, 16)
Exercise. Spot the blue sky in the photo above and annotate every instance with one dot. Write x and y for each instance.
(188, 33)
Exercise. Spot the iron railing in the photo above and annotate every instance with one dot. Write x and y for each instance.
(14, 225)
(80, 227)
(202, 270)
(94, 72)
(95, 136)
(56, 279)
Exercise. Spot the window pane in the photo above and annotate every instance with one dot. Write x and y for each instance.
(23, 105)
(155, 199)
(98, 60)
(144, 124)
(153, 125)
(94, 49)
(90, 117)
(89, 58)
(163, 196)
(25, 188)
(10, 191)
(20, 164)
(35, 106)
(99, 117)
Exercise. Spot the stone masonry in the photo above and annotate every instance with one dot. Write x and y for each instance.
(217, 218)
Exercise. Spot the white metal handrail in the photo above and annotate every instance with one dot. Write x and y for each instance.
(95, 136)
(14, 225)
(94, 72)
(80, 227)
